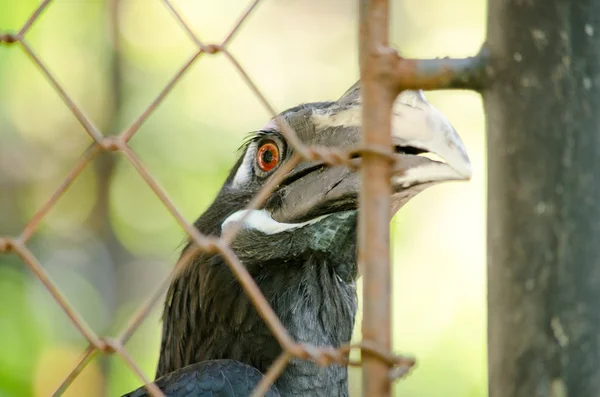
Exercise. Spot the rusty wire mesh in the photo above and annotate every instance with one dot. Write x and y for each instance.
(408, 74)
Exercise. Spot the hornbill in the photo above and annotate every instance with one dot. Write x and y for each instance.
(300, 248)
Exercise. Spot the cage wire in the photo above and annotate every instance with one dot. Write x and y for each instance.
(406, 74)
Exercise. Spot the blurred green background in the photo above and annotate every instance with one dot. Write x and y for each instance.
(109, 241)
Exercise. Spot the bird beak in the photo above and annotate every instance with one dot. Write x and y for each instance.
(418, 124)
(418, 130)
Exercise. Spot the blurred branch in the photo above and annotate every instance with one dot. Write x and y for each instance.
(105, 164)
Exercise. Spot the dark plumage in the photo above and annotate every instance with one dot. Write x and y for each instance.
(308, 278)
(216, 378)
(300, 247)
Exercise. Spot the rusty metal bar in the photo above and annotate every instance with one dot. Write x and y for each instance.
(375, 193)
(441, 73)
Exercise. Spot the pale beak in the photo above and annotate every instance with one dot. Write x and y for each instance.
(313, 190)
(418, 124)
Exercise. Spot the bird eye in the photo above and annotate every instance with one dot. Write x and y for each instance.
(267, 156)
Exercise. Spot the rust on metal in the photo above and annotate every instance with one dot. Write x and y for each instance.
(443, 73)
(111, 144)
(5, 245)
(8, 38)
(375, 194)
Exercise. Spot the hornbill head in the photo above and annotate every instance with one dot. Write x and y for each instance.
(300, 246)
(313, 190)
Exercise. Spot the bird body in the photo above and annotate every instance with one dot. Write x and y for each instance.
(214, 378)
(299, 247)
(308, 277)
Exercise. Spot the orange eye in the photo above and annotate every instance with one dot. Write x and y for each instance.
(267, 157)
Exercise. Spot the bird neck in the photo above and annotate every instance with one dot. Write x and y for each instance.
(308, 278)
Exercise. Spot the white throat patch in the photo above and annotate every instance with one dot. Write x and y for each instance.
(262, 221)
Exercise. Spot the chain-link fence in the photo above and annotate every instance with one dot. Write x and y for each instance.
(383, 75)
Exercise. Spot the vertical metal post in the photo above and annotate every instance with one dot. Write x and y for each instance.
(374, 210)
(543, 124)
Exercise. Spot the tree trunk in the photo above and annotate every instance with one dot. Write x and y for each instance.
(543, 123)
